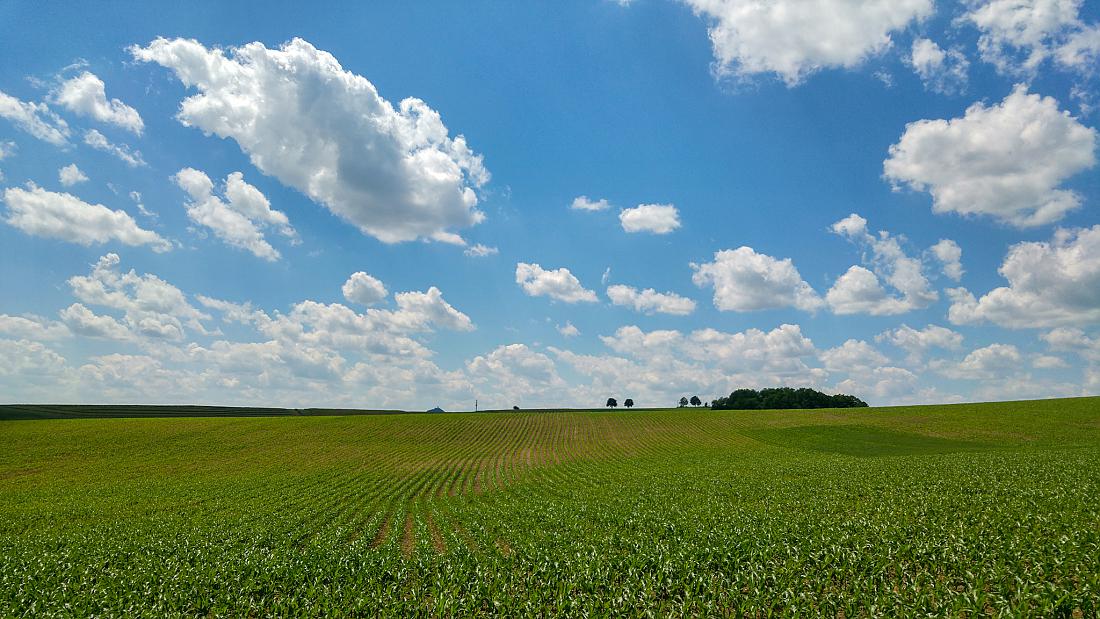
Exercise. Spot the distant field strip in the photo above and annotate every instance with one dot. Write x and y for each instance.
(934, 510)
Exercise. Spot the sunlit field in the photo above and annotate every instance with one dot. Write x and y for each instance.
(933, 510)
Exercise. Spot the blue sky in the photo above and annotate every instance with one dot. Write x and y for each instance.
(187, 192)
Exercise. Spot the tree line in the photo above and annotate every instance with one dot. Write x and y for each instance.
(785, 397)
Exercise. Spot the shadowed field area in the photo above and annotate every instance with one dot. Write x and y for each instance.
(893, 511)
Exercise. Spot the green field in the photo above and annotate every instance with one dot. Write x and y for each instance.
(918, 511)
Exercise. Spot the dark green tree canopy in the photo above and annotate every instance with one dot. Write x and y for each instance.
(612, 402)
(785, 397)
(628, 403)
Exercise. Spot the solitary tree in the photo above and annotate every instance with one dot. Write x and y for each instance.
(628, 403)
(612, 403)
(695, 401)
(683, 402)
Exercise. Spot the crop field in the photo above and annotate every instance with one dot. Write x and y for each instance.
(959, 510)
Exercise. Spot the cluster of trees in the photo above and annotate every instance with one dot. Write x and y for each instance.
(694, 401)
(785, 397)
(612, 403)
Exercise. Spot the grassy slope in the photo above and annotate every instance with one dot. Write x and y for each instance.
(935, 509)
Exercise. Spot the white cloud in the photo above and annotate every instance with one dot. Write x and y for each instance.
(853, 356)
(64, 216)
(238, 218)
(1081, 51)
(30, 361)
(100, 142)
(430, 308)
(984, 363)
(1048, 362)
(631, 340)
(34, 118)
(480, 251)
(1073, 340)
(779, 352)
(794, 39)
(881, 382)
(568, 329)
(1049, 285)
(31, 327)
(582, 203)
(649, 300)
(859, 290)
(151, 306)
(515, 373)
(394, 172)
(1004, 161)
(85, 95)
(364, 289)
(660, 366)
(918, 342)
(7, 149)
(940, 70)
(557, 284)
(71, 175)
(746, 281)
(949, 254)
(1017, 36)
(84, 321)
(653, 218)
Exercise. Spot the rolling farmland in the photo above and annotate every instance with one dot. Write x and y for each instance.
(936, 510)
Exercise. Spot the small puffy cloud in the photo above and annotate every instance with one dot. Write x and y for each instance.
(516, 373)
(83, 321)
(31, 327)
(395, 172)
(7, 149)
(745, 281)
(918, 342)
(238, 217)
(30, 361)
(653, 218)
(1048, 362)
(100, 142)
(1004, 161)
(949, 254)
(151, 306)
(1081, 50)
(480, 251)
(853, 356)
(650, 301)
(988, 362)
(631, 340)
(364, 289)
(860, 291)
(557, 284)
(881, 382)
(778, 352)
(34, 118)
(940, 70)
(1049, 285)
(1072, 339)
(71, 175)
(1017, 36)
(64, 216)
(85, 95)
(430, 308)
(794, 39)
(568, 329)
(582, 203)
